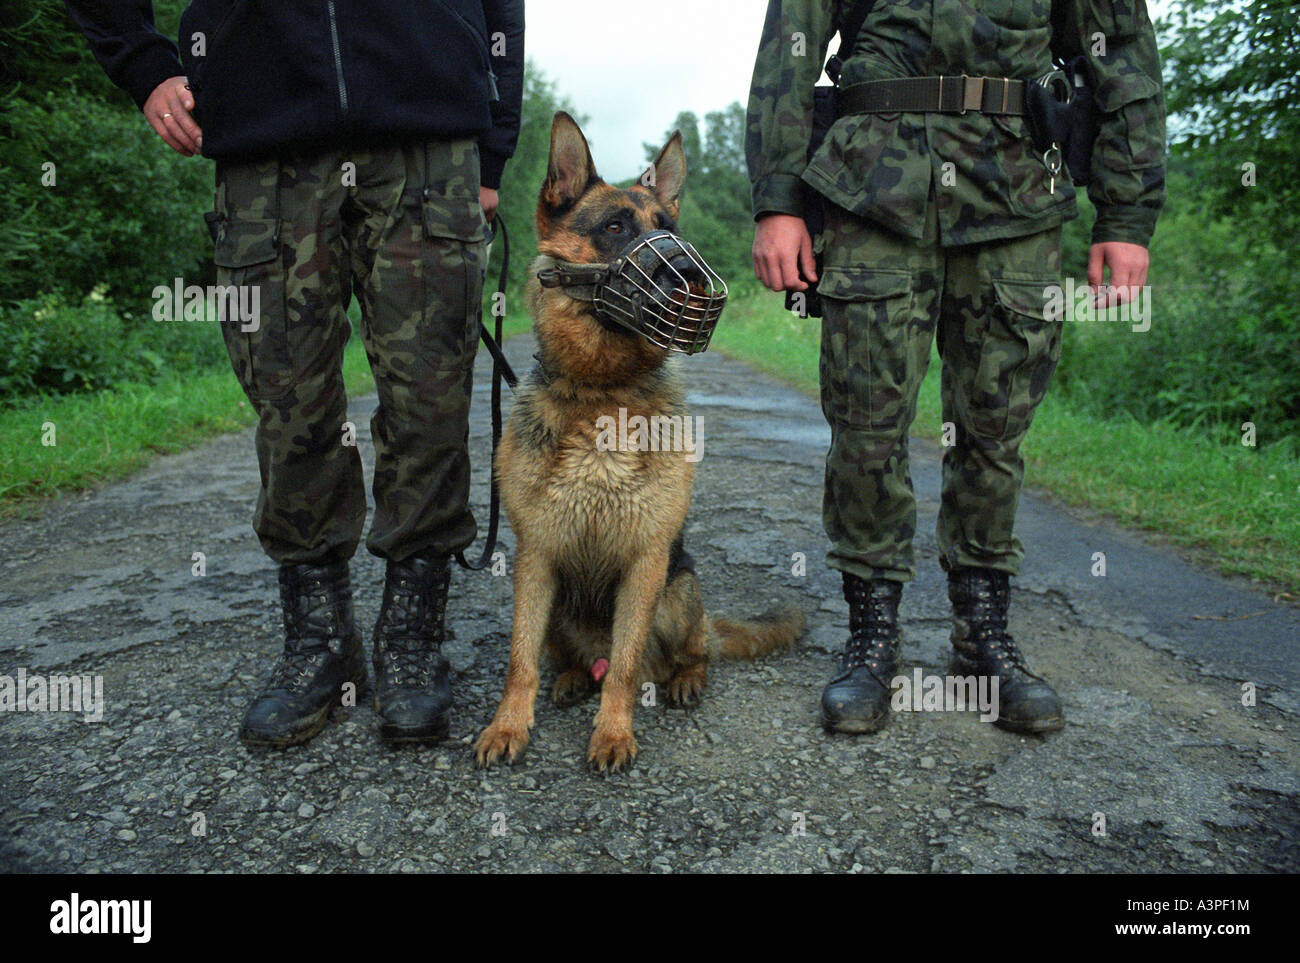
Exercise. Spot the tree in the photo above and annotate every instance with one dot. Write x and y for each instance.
(715, 212)
(1232, 74)
(525, 172)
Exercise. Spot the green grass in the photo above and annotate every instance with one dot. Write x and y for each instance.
(106, 435)
(1232, 507)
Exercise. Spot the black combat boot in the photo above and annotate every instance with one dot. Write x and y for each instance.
(412, 677)
(982, 647)
(857, 699)
(322, 653)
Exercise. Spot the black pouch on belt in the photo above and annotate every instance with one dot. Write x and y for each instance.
(1062, 111)
(1083, 119)
(1047, 102)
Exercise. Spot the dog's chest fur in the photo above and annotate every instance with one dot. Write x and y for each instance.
(589, 504)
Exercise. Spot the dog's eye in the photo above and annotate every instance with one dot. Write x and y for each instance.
(614, 227)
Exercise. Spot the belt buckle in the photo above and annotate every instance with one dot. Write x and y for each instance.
(972, 93)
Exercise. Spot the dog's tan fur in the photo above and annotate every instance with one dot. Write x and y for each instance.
(597, 529)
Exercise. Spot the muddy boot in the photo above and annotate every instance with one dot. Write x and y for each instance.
(322, 653)
(412, 677)
(857, 698)
(982, 647)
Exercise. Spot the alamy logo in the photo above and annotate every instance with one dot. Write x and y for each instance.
(240, 302)
(56, 693)
(76, 916)
(656, 433)
(1074, 302)
(946, 693)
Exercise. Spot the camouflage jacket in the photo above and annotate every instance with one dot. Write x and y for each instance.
(882, 166)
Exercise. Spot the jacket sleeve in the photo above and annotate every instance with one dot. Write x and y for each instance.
(1128, 160)
(505, 24)
(791, 54)
(126, 43)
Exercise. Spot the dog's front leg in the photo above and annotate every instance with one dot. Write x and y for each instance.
(535, 583)
(613, 744)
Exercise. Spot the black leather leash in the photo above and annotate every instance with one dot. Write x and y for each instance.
(500, 370)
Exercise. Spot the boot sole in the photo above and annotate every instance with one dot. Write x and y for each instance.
(854, 727)
(1052, 724)
(415, 735)
(315, 725)
(427, 734)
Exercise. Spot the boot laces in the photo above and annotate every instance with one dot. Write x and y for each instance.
(296, 668)
(411, 628)
(988, 620)
(311, 623)
(1002, 650)
(311, 610)
(872, 640)
(408, 662)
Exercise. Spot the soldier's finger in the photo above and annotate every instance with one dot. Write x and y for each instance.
(770, 265)
(1096, 267)
(772, 272)
(161, 128)
(789, 266)
(181, 114)
(178, 136)
(807, 262)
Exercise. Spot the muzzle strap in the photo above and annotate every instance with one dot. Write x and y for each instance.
(578, 280)
(658, 287)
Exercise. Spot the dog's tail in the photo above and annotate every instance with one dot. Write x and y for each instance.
(772, 631)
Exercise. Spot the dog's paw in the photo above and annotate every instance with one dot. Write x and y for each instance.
(571, 687)
(686, 687)
(611, 749)
(499, 741)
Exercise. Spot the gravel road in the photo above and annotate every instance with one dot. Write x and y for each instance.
(1150, 660)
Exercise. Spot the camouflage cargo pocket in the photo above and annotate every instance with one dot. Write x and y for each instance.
(1137, 100)
(866, 376)
(454, 230)
(1017, 359)
(249, 268)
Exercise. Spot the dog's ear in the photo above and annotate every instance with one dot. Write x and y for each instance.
(570, 170)
(670, 172)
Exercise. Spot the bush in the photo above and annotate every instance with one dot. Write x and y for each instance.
(53, 346)
(124, 210)
(1223, 347)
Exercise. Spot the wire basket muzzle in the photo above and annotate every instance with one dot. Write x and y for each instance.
(660, 288)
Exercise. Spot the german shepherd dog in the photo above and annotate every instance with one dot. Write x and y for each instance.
(601, 579)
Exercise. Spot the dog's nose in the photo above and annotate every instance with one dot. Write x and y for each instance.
(679, 268)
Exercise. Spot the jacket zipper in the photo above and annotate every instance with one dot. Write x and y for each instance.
(480, 42)
(338, 58)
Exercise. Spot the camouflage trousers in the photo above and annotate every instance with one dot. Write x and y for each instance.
(885, 297)
(401, 227)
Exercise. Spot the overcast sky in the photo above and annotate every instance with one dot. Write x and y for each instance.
(631, 65)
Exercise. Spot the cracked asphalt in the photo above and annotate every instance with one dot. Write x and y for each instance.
(1150, 661)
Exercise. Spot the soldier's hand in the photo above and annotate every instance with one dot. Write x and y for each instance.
(782, 252)
(487, 199)
(1128, 265)
(168, 112)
